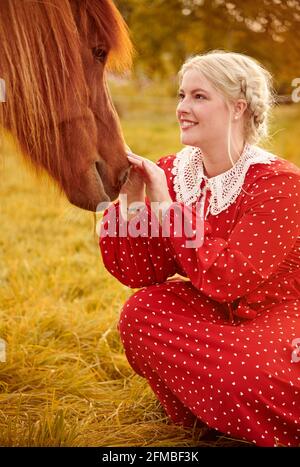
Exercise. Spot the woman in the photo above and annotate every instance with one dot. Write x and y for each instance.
(220, 345)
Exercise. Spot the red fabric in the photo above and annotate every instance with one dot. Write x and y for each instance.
(242, 281)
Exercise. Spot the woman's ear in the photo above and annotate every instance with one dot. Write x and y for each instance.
(239, 108)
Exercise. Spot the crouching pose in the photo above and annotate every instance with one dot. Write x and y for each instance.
(220, 341)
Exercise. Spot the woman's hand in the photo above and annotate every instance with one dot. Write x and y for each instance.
(133, 191)
(154, 177)
(156, 183)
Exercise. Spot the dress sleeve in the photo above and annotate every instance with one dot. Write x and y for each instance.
(135, 252)
(225, 270)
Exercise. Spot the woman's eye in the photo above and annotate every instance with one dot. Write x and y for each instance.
(197, 96)
(99, 53)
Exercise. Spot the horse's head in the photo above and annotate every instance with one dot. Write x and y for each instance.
(53, 57)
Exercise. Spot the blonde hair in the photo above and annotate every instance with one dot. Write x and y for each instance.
(238, 76)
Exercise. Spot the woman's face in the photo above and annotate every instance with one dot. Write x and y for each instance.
(202, 112)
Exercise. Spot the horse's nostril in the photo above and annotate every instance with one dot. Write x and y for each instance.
(99, 168)
(123, 177)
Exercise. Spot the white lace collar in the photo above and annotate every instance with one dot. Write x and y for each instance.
(225, 188)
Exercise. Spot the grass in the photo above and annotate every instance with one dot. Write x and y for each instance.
(66, 381)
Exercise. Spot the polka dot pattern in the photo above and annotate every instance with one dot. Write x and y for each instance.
(238, 378)
(218, 346)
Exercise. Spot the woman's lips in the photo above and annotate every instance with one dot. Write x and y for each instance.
(186, 124)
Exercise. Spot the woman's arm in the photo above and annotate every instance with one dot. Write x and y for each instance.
(135, 261)
(228, 269)
(133, 249)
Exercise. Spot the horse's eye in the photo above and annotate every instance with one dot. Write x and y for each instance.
(99, 53)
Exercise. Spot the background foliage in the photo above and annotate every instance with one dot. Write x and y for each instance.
(165, 32)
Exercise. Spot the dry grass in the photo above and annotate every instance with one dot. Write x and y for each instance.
(66, 381)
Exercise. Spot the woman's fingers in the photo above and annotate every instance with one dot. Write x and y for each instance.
(135, 163)
(143, 166)
(134, 160)
(130, 153)
(136, 157)
(139, 161)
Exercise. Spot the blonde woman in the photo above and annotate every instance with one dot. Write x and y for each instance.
(220, 345)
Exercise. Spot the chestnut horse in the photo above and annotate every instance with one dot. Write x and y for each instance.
(53, 56)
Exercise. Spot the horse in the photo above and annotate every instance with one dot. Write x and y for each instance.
(54, 57)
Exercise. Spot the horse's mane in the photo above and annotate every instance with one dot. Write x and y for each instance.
(41, 64)
(107, 19)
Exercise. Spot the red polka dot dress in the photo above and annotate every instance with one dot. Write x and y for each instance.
(220, 341)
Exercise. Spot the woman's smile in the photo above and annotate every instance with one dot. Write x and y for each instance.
(186, 124)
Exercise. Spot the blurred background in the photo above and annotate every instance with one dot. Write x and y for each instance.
(66, 380)
(165, 33)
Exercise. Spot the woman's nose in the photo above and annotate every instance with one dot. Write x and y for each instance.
(182, 107)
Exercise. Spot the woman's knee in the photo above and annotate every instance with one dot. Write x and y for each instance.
(130, 316)
(141, 300)
(139, 311)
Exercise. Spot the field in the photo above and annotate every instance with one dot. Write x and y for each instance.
(66, 381)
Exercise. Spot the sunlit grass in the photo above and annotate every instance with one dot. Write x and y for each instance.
(66, 381)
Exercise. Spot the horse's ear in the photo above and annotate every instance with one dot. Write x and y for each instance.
(123, 51)
(104, 17)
